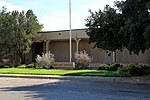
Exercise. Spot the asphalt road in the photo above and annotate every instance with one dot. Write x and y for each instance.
(55, 89)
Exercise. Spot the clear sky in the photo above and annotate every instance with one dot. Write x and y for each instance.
(54, 14)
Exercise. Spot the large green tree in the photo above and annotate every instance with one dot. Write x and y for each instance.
(137, 15)
(17, 31)
(5, 30)
(104, 28)
(128, 27)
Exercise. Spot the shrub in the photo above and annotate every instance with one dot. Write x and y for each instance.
(103, 67)
(134, 70)
(114, 67)
(6, 66)
(146, 69)
(45, 60)
(111, 67)
(82, 59)
(22, 66)
(26, 66)
(125, 71)
(30, 66)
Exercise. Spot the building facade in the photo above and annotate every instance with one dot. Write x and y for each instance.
(58, 43)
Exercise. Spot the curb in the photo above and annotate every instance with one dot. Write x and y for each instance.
(137, 80)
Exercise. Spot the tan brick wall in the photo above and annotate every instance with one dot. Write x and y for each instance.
(59, 45)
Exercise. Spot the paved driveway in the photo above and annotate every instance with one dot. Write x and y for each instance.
(54, 89)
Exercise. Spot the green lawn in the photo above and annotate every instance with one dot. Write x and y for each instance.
(58, 72)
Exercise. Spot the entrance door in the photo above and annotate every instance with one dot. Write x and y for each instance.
(37, 49)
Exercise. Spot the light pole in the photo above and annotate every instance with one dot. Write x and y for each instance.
(70, 39)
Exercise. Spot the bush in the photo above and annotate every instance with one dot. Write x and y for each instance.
(103, 67)
(6, 66)
(112, 67)
(125, 71)
(134, 70)
(45, 60)
(30, 66)
(146, 69)
(22, 66)
(82, 59)
(27, 66)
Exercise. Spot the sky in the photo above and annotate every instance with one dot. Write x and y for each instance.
(54, 14)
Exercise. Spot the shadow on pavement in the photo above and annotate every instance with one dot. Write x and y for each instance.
(79, 90)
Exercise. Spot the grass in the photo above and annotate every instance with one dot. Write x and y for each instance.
(58, 72)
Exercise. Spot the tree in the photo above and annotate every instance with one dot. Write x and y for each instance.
(136, 26)
(27, 27)
(129, 28)
(104, 29)
(18, 30)
(5, 30)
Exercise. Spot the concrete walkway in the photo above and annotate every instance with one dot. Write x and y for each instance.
(142, 79)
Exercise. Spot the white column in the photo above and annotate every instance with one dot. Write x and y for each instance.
(77, 44)
(47, 45)
(114, 56)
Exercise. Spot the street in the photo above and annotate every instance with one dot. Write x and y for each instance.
(55, 89)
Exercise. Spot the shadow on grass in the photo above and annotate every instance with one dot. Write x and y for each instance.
(97, 73)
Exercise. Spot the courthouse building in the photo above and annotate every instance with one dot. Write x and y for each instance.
(58, 43)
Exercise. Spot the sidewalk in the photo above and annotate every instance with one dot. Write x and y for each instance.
(141, 80)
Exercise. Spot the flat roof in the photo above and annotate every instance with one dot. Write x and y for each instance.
(62, 30)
